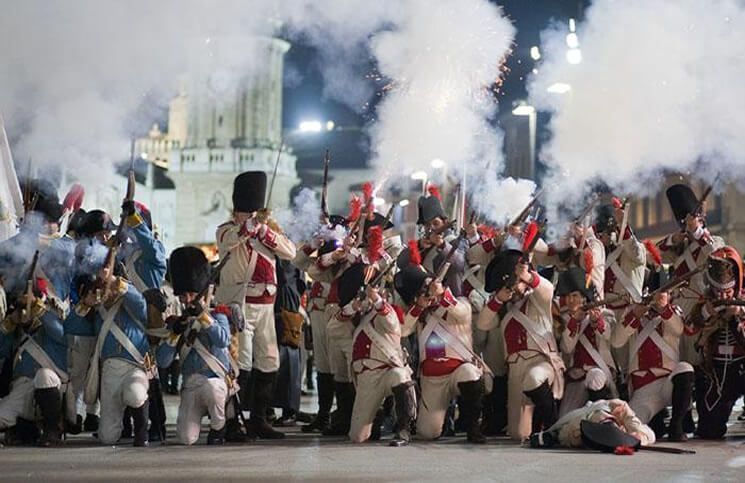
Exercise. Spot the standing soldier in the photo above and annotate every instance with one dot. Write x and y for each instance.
(206, 366)
(657, 377)
(720, 379)
(250, 278)
(688, 249)
(521, 306)
(448, 365)
(585, 343)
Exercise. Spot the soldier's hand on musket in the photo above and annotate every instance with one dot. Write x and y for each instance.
(338, 254)
(522, 270)
(472, 230)
(373, 294)
(194, 308)
(504, 294)
(640, 310)
(128, 208)
(596, 318)
(436, 239)
(436, 289)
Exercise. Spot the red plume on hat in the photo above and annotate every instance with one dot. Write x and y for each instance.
(433, 190)
(653, 251)
(375, 243)
(74, 198)
(589, 265)
(530, 233)
(617, 202)
(415, 256)
(367, 192)
(355, 208)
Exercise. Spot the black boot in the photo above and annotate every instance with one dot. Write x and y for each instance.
(76, 427)
(682, 393)
(345, 403)
(472, 393)
(233, 431)
(50, 404)
(216, 437)
(405, 399)
(495, 409)
(263, 391)
(127, 424)
(448, 425)
(602, 393)
(544, 415)
(325, 401)
(657, 423)
(139, 424)
(309, 385)
(244, 394)
(156, 412)
(377, 425)
(91, 423)
(24, 433)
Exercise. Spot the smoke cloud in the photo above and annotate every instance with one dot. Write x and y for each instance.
(301, 221)
(652, 93)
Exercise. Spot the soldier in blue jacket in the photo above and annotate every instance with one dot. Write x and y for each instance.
(113, 310)
(32, 331)
(202, 337)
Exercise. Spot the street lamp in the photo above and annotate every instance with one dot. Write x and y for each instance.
(559, 88)
(310, 126)
(523, 110)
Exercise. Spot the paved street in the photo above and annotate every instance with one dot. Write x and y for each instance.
(301, 456)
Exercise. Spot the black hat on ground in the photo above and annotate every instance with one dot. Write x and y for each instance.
(190, 270)
(605, 437)
(409, 282)
(573, 280)
(501, 270)
(683, 201)
(249, 191)
(429, 208)
(350, 283)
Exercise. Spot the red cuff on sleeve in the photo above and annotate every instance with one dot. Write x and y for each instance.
(536, 280)
(631, 320)
(627, 233)
(494, 304)
(385, 309)
(415, 310)
(447, 299)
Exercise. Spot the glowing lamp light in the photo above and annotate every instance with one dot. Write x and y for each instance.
(572, 25)
(143, 156)
(437, 163)
(559, 88)
(403, 203)
(535, 53)
(574, 56)
(523, 110)
(330, 125)
(419, 175)
(572, 40)
(310, 126)
(377, 201)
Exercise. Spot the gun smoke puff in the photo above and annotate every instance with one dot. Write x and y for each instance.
(301, 222)
(651, 94)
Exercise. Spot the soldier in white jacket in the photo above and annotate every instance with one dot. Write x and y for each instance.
(249, 278)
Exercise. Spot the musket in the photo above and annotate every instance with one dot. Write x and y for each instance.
(26, 311)
(442, 229)
(375, 281)
(325, 189)
(700, 206)
(191, 333)
(599, 303)
(673, 284)
(116, 240)
(523, 215)
(729, 303)
(274, 175)
(454, 245)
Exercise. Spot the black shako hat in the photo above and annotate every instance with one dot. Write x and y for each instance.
(573, 280)
(501, 270)
(350, 283)
(683, 201)
(189, 270)
(605, 437)
(409, 282)
(249, 191)
(429, 208)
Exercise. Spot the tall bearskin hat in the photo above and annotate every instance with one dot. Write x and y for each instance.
(190, 270)
(605, 221)
(249, 191)
(410, 279)
(683, 201)
(724, 269)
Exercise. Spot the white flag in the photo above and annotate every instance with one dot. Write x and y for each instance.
(11, 200)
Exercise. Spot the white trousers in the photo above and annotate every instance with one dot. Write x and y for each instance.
(339, 338)
(257, 347)
(79, 358)
(524, 375)
(652, 398)
(200, 396)
(575, 392)
(318, 322)
(122, 385)
(437, 392)
(372, 388)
